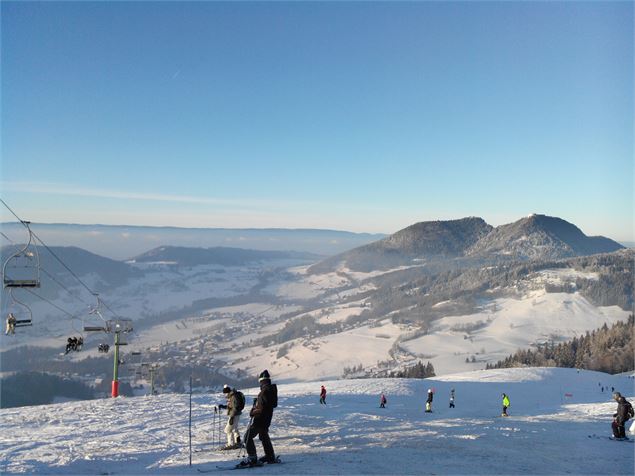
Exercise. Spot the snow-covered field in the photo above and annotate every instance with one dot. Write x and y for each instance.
(553, 412)
(509, 324)
(514, 318)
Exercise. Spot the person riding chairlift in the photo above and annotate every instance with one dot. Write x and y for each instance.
(11, 321)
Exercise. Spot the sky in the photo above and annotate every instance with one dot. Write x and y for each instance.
(354, 116)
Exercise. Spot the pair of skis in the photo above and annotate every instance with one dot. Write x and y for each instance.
(239, 466)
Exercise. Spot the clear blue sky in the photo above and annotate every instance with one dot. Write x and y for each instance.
(355, 116)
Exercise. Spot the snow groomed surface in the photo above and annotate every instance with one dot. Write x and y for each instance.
(553, 412)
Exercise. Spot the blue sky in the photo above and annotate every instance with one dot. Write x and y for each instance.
(354, 116)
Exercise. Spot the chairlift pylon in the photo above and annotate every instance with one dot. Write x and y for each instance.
(22, 268)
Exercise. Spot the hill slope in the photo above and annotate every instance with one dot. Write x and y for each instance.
(540, 237)
(434, 240)
(547, 432)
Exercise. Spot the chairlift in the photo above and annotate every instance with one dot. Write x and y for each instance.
(18, 314)
(22, 268)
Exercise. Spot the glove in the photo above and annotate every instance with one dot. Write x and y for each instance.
(231, 420)
(222, 407)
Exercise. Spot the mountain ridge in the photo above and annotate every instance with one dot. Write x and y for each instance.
(533, 237)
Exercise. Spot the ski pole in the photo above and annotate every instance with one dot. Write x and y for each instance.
(244, 445)
(214, 426)
(251, 422)
(219, 432)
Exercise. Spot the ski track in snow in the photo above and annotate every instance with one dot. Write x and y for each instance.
(545, 434)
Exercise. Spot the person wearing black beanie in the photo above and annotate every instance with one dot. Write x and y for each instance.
(261, 413)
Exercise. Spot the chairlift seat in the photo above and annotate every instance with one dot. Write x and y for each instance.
(21, 283)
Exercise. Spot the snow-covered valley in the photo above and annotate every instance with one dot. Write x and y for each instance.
(553, 413)
(238, 317)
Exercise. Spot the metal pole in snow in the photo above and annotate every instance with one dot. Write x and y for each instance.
(115, 371)
(190, 420)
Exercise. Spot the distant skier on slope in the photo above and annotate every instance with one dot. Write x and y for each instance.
(429, 401)
(235, 405)
(505, 405)
(623, 414)
(382, 401)
(261, 413)
(323, 395)
(452, 398)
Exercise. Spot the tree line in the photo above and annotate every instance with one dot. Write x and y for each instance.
(607, 349)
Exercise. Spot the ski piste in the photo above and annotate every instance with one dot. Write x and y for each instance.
(239, 466)
(612, 438)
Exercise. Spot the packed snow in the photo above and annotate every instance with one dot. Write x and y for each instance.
(559, 423)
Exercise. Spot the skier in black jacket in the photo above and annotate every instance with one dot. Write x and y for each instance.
(262, 412)
(623, 414)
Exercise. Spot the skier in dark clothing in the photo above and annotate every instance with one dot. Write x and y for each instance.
(69, 345)
(382, 401)
(261, 413)
(323, 395)
(452, 398)
(429, 401)
(623, 414)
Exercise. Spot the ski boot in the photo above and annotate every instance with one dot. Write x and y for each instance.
(235, 446)
(249, 462)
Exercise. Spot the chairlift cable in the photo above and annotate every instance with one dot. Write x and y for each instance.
(63, 287)
(8, 239)
(57, 257)
(52, 304)
(49, 274)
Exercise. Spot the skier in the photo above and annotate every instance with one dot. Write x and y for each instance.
(69, 345)
(323, 395)
(623, 414)
(452, 398)
(11, 321)
(261, 414)
(234, 407)
(505, 405)
(382, 401)
(429, 401)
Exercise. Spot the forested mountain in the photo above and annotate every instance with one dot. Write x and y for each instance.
(470, 242)
(607, 349)
(540, 237)
(430, 240)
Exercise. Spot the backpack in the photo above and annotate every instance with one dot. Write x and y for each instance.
(240, 401)
(274, 402)
(629, 411)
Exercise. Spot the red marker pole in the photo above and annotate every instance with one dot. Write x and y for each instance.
(115, 380)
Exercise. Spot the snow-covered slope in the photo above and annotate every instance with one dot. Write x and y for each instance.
(553, 412)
